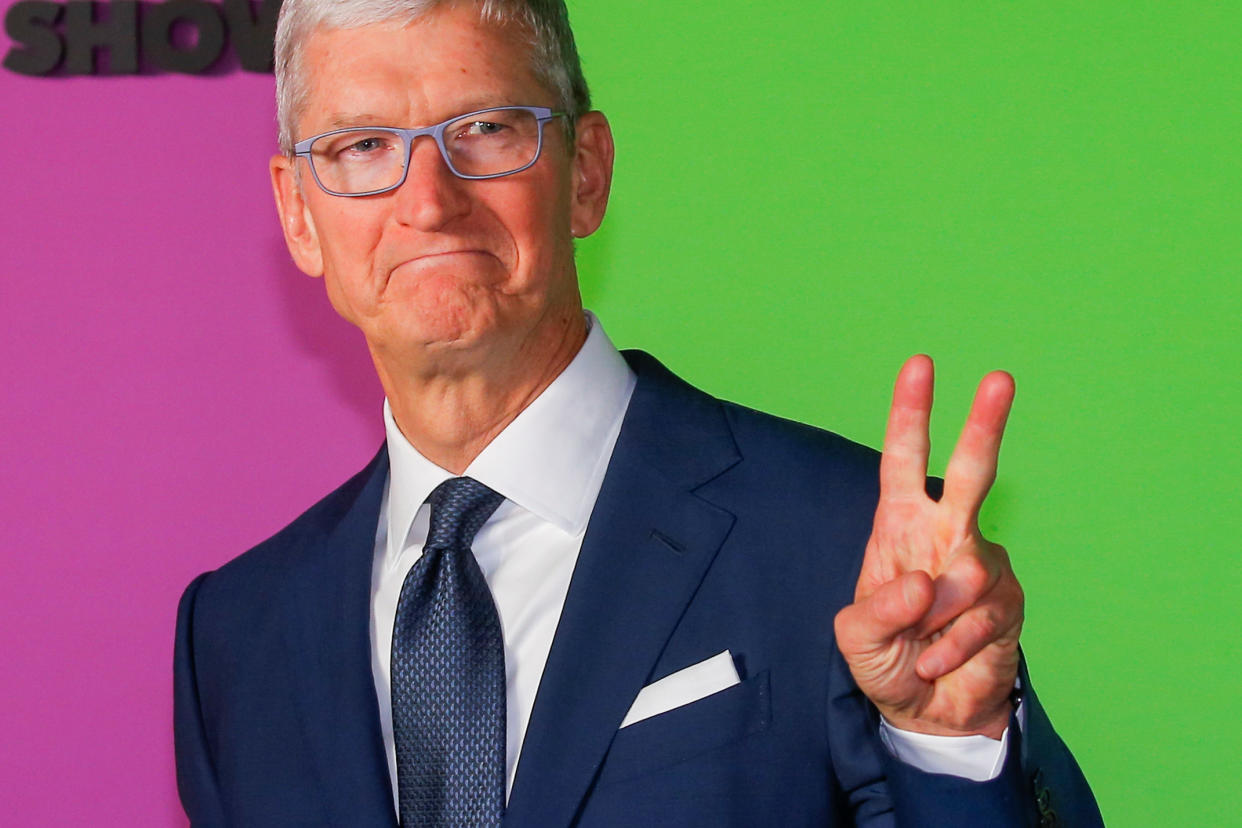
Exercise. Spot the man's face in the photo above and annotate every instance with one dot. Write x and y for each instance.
(441, 266)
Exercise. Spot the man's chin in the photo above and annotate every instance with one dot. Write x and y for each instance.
(432, 335)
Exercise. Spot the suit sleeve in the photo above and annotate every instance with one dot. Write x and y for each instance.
(196, 775)
(1040, 783)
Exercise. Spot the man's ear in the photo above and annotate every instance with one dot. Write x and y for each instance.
(295, 218)
(592, 173)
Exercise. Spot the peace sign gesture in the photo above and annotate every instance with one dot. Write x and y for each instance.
(932, 635)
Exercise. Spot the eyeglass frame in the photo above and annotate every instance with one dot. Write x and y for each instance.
(542, 115)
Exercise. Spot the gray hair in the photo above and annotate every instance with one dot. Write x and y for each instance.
(554, 55)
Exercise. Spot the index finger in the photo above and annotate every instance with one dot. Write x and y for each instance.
(972, 468)
(903, 464)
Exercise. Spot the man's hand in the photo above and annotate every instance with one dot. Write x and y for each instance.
(932, 635)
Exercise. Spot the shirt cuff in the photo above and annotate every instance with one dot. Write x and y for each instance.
(977, 758)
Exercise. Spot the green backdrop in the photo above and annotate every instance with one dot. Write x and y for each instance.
(806, 193)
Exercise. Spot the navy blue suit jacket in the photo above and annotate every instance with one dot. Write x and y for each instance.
(716, 528)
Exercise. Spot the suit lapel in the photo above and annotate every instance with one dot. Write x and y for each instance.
(649, 543)
(328, 606)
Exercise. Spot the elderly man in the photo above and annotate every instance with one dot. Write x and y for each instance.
(570, 589)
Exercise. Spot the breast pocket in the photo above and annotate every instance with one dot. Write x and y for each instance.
(684, 732)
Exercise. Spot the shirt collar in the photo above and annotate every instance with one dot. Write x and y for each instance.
(545, 459)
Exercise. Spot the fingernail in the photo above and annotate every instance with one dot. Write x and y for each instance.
(932, 667)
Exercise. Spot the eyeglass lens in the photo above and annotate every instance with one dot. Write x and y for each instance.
(366, 159)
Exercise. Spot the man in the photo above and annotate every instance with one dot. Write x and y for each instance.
(570, 589)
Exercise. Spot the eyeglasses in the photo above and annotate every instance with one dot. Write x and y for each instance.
(487, 143)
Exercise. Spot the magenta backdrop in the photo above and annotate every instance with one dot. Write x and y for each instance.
(143, 272)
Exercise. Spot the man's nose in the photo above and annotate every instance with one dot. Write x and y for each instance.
(431, 195)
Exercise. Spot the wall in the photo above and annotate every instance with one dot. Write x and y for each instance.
(802, 200)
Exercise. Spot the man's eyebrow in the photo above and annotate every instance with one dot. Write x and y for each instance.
(341, 120)
(476, 104)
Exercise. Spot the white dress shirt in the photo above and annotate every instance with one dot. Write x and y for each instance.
(549, 464)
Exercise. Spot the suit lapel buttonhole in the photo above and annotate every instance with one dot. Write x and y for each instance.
(673, 545)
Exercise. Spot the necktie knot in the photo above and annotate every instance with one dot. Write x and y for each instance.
(459, 508)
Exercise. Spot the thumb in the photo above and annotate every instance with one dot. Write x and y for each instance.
(872, 623)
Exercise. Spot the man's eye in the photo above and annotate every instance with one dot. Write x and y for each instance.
(350, 148)
(482, 128)
(365, 145)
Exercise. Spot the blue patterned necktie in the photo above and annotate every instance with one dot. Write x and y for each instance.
(448, 673)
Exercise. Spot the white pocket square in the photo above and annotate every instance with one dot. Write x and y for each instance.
(691, 684)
